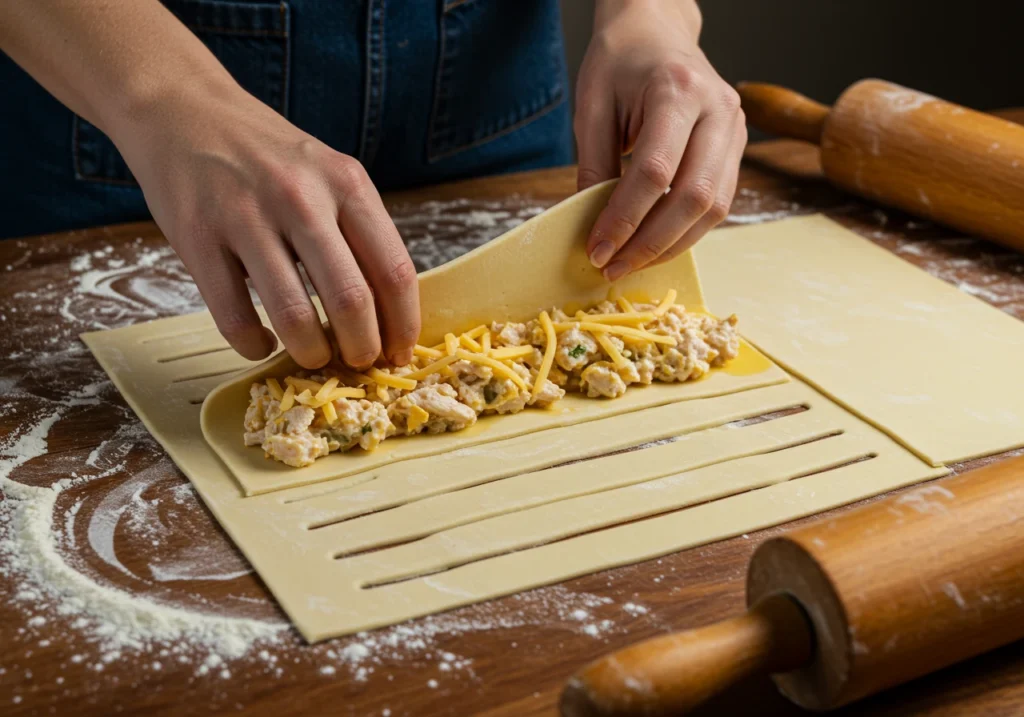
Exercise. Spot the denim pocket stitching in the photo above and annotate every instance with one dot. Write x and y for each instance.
(435, 116)
(77, 167)
(283, 34)
(555, 102)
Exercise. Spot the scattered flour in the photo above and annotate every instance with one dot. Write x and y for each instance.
(64, 513)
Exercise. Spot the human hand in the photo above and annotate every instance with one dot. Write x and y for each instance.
(239, 191)
(646, 86)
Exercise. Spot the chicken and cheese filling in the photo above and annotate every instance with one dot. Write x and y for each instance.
(497, 369)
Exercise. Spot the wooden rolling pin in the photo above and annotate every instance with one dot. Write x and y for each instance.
(845, 607)
(908, 150)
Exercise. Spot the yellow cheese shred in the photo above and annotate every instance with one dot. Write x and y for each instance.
(432, 368)
(485, 342)
(288, 398)
(325, 390)
(417, 417)
(451, 344)
(330, 413)
(427, 353)
(386, 379)
(275, 389)
(303, 384)
(549, 352)
(511, 352)
(469, 343)
(670, 298)
(627, 332)
(497, 366)
(345, 392)
(612, 350)
(625, 304)
(631, 318)
(477, 332)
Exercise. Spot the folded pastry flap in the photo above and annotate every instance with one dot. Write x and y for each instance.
(538, 265)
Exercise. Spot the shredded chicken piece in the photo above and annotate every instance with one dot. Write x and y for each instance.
(602, 379)
(575, 349)
(451, 398)
(440, 402)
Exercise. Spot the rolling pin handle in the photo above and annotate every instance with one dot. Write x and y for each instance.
(672, 674)
(782, 112)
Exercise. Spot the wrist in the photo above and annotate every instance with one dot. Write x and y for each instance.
(686, 12)
(150, 102)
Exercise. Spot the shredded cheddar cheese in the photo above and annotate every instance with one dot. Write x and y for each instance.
(391, 381)
(275, 389)
(497, 366)
(549, 352)
(670, 298)
(528, 364)
(451, 344)
(613, 352)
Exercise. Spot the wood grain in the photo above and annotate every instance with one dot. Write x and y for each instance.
(517, 666)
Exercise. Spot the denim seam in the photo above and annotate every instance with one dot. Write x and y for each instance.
(76, 164)
(555, 102)
(375, 76)
(235, 31)
(285, 63)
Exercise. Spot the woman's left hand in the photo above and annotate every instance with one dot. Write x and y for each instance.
(645, 86)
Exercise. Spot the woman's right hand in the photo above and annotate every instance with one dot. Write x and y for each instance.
(239, 191)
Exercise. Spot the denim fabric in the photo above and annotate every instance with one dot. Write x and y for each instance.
(421, 91)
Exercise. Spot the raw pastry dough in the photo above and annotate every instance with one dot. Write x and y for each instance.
(413, 537)
(538, 265)
(935, 368)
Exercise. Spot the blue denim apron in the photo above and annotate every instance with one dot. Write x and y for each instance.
(421, 91)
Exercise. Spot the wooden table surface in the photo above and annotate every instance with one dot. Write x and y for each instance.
(127, 519)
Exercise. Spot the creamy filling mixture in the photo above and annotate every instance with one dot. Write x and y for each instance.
(501, 368)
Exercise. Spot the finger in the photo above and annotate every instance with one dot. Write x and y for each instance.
(692, 197)
(272, 269)
(598, 143)
(344, 293)
(221, 282)
(659, 148)
(723, 201)
(380, 252)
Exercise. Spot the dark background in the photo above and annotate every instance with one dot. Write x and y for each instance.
(968, 52)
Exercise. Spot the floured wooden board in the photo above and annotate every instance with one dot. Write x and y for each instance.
(937, 369)
(429, 531)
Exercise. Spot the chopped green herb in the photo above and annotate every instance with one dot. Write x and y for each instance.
(489, 394)
(367, 428)
(578, 351)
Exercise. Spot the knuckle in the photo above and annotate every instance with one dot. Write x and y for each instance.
(588, 176)
(676, 76)
(651, 250)
(294, 315)
(401, 277)
(408, 333)
(622, 225)
(350, 176)
(656, 170)
(701, 195)
(235, 326)
(730, 99)
(354, 298)
(719, 210)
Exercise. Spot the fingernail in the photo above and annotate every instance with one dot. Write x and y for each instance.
(602, 253)
(402, 357)
(616, 271)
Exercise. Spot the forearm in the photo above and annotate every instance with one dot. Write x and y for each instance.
(688, 11)
(110, 61)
